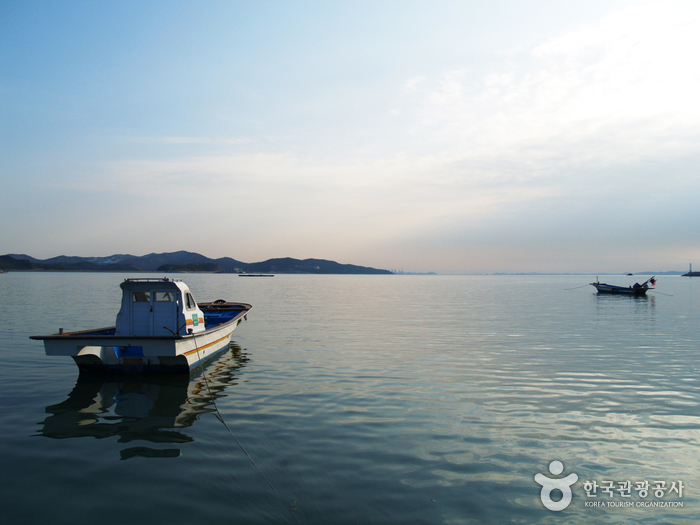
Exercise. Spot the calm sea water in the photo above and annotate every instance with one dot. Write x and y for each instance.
(361, 399)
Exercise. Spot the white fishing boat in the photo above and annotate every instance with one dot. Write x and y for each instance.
(160, 328)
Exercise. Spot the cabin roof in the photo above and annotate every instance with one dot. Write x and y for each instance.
(150, 283)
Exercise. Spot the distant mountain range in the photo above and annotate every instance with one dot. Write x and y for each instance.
(181, 261)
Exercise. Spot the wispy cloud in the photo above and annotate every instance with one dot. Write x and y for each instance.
(630, 78)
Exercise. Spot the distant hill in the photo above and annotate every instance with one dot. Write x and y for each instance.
(289, 265)
(194, 267)
(181, 261)
(8, 262)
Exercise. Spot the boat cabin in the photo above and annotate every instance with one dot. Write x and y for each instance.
(155, 307)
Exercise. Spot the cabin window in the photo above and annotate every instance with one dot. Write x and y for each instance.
(165, 297)
(141, 297)
(191, 305)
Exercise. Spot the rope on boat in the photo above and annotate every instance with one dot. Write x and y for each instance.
(221, 418)
(577, 287)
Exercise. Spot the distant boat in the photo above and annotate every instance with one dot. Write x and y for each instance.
(160, 328)
(637, 289)
(691, 273)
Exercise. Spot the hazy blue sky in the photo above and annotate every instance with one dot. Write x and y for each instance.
(452, 136)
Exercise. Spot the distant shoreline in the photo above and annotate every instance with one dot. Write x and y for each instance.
(181, 262)
(189, 262)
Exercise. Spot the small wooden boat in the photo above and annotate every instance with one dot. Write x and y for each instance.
(160, 328)
(636, 289)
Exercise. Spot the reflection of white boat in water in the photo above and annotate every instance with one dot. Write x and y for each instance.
(637, 289)
(160, 328)
(140, 408)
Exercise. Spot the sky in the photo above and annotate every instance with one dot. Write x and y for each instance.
(448, 136)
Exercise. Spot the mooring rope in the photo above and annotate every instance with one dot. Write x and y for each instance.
(577, 287)
(221, 418)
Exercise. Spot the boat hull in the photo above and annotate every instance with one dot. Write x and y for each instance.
(102, 350)
(619, 290)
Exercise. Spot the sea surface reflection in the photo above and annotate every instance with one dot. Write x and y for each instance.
(365, 399)
(155, 409)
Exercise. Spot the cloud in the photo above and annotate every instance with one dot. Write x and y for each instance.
(632, 78)
(414, 84)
